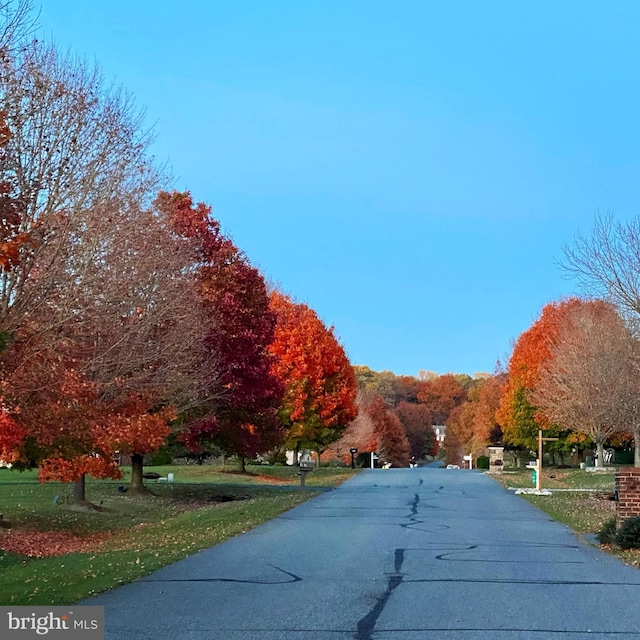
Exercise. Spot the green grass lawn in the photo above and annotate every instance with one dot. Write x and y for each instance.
(561, 479)
(582, 512)
(256, 474)
(130, 536)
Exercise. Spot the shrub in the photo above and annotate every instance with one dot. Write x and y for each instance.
(628, 536)
(161, 457)
(482, 462)
(277, 457)
(607, 534)
(623, 457)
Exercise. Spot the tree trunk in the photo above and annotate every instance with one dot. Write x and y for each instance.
(137, 484)
(243, 466)
(636, 444)
(79, 494)
(599, 454)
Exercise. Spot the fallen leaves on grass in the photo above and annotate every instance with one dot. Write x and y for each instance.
(259, 477)
(40, 544)
(274, 480)
(628, 556)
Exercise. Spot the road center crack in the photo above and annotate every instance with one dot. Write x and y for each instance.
(366, 625)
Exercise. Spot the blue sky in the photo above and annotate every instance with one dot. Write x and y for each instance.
(409, 169)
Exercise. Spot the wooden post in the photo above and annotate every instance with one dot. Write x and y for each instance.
(539, 471)
(303, 477)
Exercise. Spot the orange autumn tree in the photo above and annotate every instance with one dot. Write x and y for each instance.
(122, 357)
(319, 381)
(441, 395)
(518, 417)
(485, 427)
(472, 425)
(590, 384)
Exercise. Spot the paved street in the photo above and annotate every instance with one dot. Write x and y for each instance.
(392, 554)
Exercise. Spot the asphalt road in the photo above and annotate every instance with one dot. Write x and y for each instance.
(391, 554)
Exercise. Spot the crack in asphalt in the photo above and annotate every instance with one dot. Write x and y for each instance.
(475, 547)
(366, 626)
(523, 581)
(416, 525)
(398, 560)
(293, 576)
(414, 505)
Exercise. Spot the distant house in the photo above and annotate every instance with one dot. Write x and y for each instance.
(439, 430)
(303, 454)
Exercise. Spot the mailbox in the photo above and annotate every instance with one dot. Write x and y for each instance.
(305, 466)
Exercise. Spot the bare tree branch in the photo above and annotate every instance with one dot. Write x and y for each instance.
(607, 264)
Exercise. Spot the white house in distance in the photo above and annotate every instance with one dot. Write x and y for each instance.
(303, 454)
(439, 430)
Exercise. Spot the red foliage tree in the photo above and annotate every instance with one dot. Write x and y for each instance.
(240, 327)
(407, 389)
(127, 336)
(11, 434)
(92, 295)
(393, 446)
(417, 422)
(319, 381)
(12, 437)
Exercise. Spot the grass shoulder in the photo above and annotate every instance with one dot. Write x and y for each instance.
(58, 553)
(580, 499)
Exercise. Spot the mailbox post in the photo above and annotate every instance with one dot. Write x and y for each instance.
(353, 452)
(538, 477)
(305, 467)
